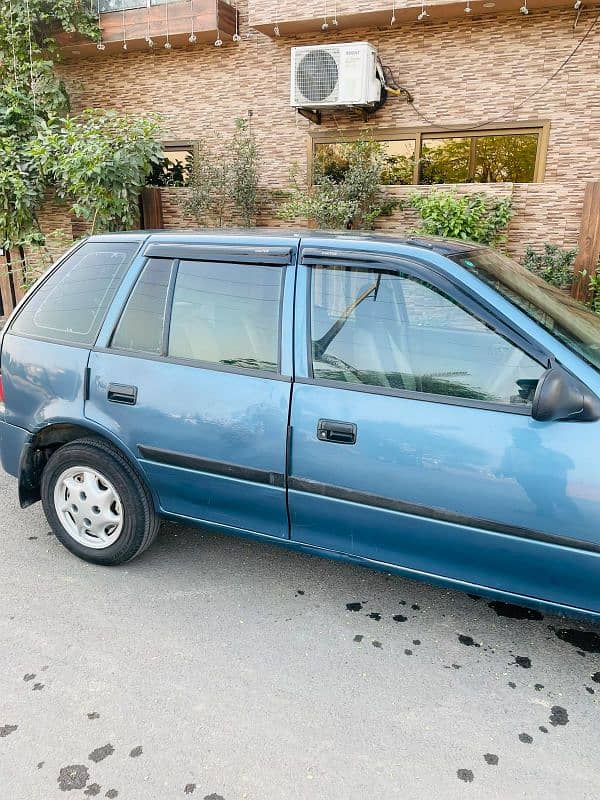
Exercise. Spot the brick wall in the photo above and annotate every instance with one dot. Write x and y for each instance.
(461, 72)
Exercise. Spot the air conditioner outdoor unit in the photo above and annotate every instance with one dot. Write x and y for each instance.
(326, 76)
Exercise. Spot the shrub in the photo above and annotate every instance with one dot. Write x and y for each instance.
(351, 197)
(554, 264)
(224, 181)
(473, 217)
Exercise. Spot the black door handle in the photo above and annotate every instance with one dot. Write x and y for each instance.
(120, 393)
(328, 430)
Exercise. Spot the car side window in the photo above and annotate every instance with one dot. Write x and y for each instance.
(142, 323)
(392, 330)
(70, 304)
(227, 314)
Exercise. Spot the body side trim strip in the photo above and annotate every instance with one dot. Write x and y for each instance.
(432, 513)
(224, 468)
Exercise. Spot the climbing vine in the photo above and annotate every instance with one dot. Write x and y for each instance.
(41, 145)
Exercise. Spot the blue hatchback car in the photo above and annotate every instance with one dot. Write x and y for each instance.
(422, 406)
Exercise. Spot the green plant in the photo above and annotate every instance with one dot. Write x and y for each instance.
(474, 217)
(554, 264)
(98, 162)
(244, 172)
(349, 196)
(595, 290)
(223, 184)
(30, 94)
(169, 173)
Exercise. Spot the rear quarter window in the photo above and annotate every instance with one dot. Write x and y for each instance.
(71, 304)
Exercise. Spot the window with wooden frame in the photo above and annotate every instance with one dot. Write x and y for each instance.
(514, 153)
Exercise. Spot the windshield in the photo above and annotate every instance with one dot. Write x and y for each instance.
(568, 320)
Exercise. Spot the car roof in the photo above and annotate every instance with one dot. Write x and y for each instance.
(281, 236)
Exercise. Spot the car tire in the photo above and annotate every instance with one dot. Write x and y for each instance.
(90, 481)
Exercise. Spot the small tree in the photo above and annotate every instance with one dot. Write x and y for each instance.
(98, 162)
(474, 217)
(223, 184)
(349, 197)
(244, 172)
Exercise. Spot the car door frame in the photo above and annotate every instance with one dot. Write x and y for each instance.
(413, 267)
(240, 249)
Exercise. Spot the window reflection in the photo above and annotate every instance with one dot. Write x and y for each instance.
(469, 157)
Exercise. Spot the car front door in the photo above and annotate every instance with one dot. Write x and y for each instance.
(192, 379)
(413, 442)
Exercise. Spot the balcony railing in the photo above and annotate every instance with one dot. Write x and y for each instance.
(146, 24)
(106, 6)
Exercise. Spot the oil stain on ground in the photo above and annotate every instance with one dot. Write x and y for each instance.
(100, 753)
(558, 716)
(523, 661)
(582, 640)
(468, 641)
(73, 776)
(465, 775)
(514, 612)
(6, 730)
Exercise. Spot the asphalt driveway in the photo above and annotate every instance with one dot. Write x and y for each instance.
(221, 669)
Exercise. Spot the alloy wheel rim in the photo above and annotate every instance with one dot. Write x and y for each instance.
(88, 507)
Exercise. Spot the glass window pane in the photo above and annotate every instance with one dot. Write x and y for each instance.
(71, 304)
(394, 331)
(505, 158)
(445, 160)
(400, 162)
(227, 314)
(141, 325)
(332, 159)
(117, 5)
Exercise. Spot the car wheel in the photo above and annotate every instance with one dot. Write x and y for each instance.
(96, 503)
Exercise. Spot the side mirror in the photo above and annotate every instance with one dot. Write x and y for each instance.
(559, 395)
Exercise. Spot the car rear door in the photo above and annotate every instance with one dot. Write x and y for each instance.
(413, 442)
(192, 378)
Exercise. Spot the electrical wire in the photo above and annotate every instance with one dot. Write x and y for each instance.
(33, 98)
(520, 105)
(12, 42)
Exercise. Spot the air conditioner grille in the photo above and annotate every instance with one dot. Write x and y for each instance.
(317, 75)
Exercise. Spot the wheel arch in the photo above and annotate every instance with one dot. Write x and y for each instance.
(54, 434)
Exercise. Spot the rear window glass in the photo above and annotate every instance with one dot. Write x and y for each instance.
(70, 305)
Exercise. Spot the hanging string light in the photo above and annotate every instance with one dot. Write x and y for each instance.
(100, 45)
(236, 36)
(423, 15)
(218, 40)
(167, 43)
(192, 36)
(393, 19)
(276, 30)
(124, 30)
(149, 40)
(334, 21)
(325, 25)
(524, 10)
(12, 41)
(468, 7)
(30, 55)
